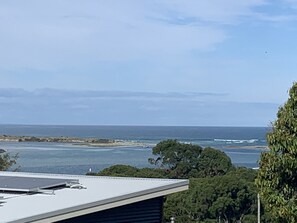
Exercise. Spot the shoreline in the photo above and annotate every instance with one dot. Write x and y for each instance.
(116, 143)
(266, 148)
(90, 142)
(103, 143)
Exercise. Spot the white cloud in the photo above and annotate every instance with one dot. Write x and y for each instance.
(54, 34)
(59, 94)
(221, 12)
(46, 106)
(153, 46)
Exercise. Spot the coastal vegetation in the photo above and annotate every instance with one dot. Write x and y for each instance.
(227, 198)
(6, 160)
(93, 142)
(218, 190)
(61, 139)
(277, 176)
(187, 160)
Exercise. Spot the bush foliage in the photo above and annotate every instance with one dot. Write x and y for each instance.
(218, 191)
(277, 177)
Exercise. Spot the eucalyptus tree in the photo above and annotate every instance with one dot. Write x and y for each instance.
(277, 176)
(179, 158)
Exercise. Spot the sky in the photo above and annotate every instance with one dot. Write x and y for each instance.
(131, 62)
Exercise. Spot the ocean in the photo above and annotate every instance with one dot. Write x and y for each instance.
(242, 144)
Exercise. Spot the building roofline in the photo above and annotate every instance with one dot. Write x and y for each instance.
(78, 210)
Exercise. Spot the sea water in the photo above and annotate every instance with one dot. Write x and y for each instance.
(242, 144)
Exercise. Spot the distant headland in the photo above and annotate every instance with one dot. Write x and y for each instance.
(95, 142)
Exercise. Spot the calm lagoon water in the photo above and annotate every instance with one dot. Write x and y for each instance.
(242, 144)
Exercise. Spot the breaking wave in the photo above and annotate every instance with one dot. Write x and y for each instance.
(237, 141)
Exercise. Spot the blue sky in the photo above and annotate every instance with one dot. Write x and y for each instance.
(199, 63)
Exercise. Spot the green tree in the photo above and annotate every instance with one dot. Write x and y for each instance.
(230, 198)
(119, 171)
(277, 176)
(187, 160)
(224, 192)
(152, 173)
(180, 158)
(6, 161)
(130, 171)
(213, 162)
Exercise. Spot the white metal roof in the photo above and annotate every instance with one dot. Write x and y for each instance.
(101, 193)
